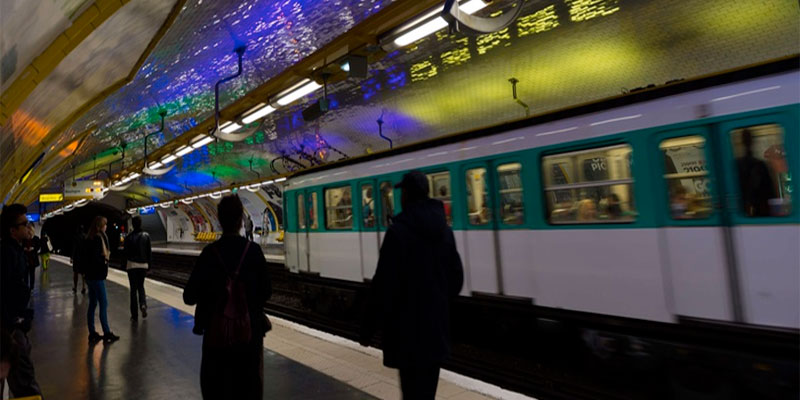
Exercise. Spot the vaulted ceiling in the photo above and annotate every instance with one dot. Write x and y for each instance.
(153, 56)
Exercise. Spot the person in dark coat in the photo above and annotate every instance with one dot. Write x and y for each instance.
(138, 257)
(14, 297)
(95, 253)
(77, 265)
(32, 254)
(419, 272)
(231, 372)
(755, 181)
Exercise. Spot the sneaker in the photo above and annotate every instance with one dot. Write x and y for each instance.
(94, 337)
(110, 337)
(144, 311)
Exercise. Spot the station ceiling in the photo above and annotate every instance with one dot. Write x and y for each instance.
(562, 52)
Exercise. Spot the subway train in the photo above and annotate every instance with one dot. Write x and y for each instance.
(672, 205)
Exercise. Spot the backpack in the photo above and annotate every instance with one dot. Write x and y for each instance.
(229, 323)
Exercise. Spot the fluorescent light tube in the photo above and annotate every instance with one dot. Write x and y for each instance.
(182, 151)
(168, 158)
(302, 89)
(257, 112)
(229, 127)
(436, 24)
(155, 165)
(269, 182)
(135, 175)
(280, 180)
(201, 140)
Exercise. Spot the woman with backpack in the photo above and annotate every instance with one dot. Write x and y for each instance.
(230, 284)
(95, 253)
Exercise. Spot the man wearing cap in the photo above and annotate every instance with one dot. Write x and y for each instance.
(419, 272)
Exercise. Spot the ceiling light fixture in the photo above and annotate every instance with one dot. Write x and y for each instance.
(425, 26)
(201, 140)
(280, 180)
(229, 127)
(303, 88)
(184, 150)
(155, 165)
(169, 158)
(257, 112)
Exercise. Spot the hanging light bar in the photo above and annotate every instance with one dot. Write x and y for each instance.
(421, 29)
(201, 140)
(303, 88)
(184, 150)
(169, 158)
(257, 112)
(229, 127)
(156, 165)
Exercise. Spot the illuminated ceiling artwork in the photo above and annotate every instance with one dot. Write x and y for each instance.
(562, 52)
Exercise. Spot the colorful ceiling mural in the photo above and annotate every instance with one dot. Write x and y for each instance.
(561, 52)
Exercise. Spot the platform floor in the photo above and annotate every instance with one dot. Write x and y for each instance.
(162, 356)
(156, 358)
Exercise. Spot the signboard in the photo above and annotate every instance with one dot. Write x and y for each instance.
(51, 197)
(83, 190)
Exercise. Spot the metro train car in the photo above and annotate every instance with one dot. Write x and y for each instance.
(668, 205)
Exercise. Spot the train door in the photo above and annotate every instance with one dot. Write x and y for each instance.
(693, 240)
(760, 156)
(512, 239)
(307, 221)
(480, 232)
(368, 234)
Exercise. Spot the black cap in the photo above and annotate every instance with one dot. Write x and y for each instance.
(415, 183)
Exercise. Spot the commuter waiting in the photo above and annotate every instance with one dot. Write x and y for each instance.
(138, 257)
(230, 284)
(14, 297)
(77, 265)
(94, 257)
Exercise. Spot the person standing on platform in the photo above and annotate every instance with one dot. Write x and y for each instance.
(77, 265)
(45, 247)
(230, 284)
(419, 272)
(14, 297)
(32, 255)
(248, 227)
(138, 257)
(95, 254)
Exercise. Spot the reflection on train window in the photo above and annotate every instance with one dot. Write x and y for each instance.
(338, 208)
(589, 186)
(314, 215)
(301, 211)
(439, 187)
(367, 206)
(387, 203)
(512, 208)
(686, 174)
(765, 183)
(478, 212)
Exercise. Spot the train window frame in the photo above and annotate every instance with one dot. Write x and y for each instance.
(431, 176)
(633, 214)
(375, 219)
(733, 135)
(706, 172)
(327, 207)
(499, 192)
(301, 211)
(313, 211)
(387, 213)
(488, 206)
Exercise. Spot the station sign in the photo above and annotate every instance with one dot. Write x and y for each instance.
(51, 197)
(84, 190)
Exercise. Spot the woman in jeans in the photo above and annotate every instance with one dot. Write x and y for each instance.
(95, 259)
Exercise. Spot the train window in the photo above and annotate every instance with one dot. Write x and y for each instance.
(439, 187)
(478, 212)
(387, 203)
(686, 174)
(589, 186)
(765, 183)
(338, 208)
(301, 211)
(314, 215)
(512, 208)
(367, 206)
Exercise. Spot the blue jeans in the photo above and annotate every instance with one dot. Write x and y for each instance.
(97, 293)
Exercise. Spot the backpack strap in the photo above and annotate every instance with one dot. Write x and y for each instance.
(241, 260)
